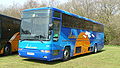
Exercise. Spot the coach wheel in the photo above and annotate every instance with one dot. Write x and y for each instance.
(7, 49)
(66, 54)
(95, 49)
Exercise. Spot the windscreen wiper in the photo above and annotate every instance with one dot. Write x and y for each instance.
(26, 39)
(40, 36)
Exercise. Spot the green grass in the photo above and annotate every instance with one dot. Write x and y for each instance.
(109, 57)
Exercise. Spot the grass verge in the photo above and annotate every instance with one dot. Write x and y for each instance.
(109, 57)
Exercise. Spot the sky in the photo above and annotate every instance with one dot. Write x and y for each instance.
(7, 3)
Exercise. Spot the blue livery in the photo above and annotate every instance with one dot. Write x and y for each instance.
(49, 39)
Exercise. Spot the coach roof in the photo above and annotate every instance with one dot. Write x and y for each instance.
(9, 17)
(62, 11)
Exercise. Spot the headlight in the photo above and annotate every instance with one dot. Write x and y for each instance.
(41, 50)
(45, 51)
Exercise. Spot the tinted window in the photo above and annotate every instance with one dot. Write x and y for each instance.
(79, 23)
(56, 14)
(98, 27)
(0, 28)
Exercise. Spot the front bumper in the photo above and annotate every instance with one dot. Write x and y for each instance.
(35, 54)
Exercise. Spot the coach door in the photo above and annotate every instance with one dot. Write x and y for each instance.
(56, 29)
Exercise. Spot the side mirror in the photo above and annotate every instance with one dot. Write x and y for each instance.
(50, 32)
(50, 26)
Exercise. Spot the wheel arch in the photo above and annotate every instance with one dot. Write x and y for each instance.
(70, 48)
(96, 44)
(8, 43)
(67, 46)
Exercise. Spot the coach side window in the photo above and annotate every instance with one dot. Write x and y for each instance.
(98, 28)
(0, 28)
(57, 14)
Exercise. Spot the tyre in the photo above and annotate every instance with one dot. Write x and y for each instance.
(66, 54)
(95, 49)
(7, 50)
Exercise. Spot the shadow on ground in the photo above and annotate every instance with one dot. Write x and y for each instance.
(58, 61)
(14, 53)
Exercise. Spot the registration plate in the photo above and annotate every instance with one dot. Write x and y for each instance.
(30, 53)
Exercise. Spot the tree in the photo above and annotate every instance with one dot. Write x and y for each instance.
(103, 11)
